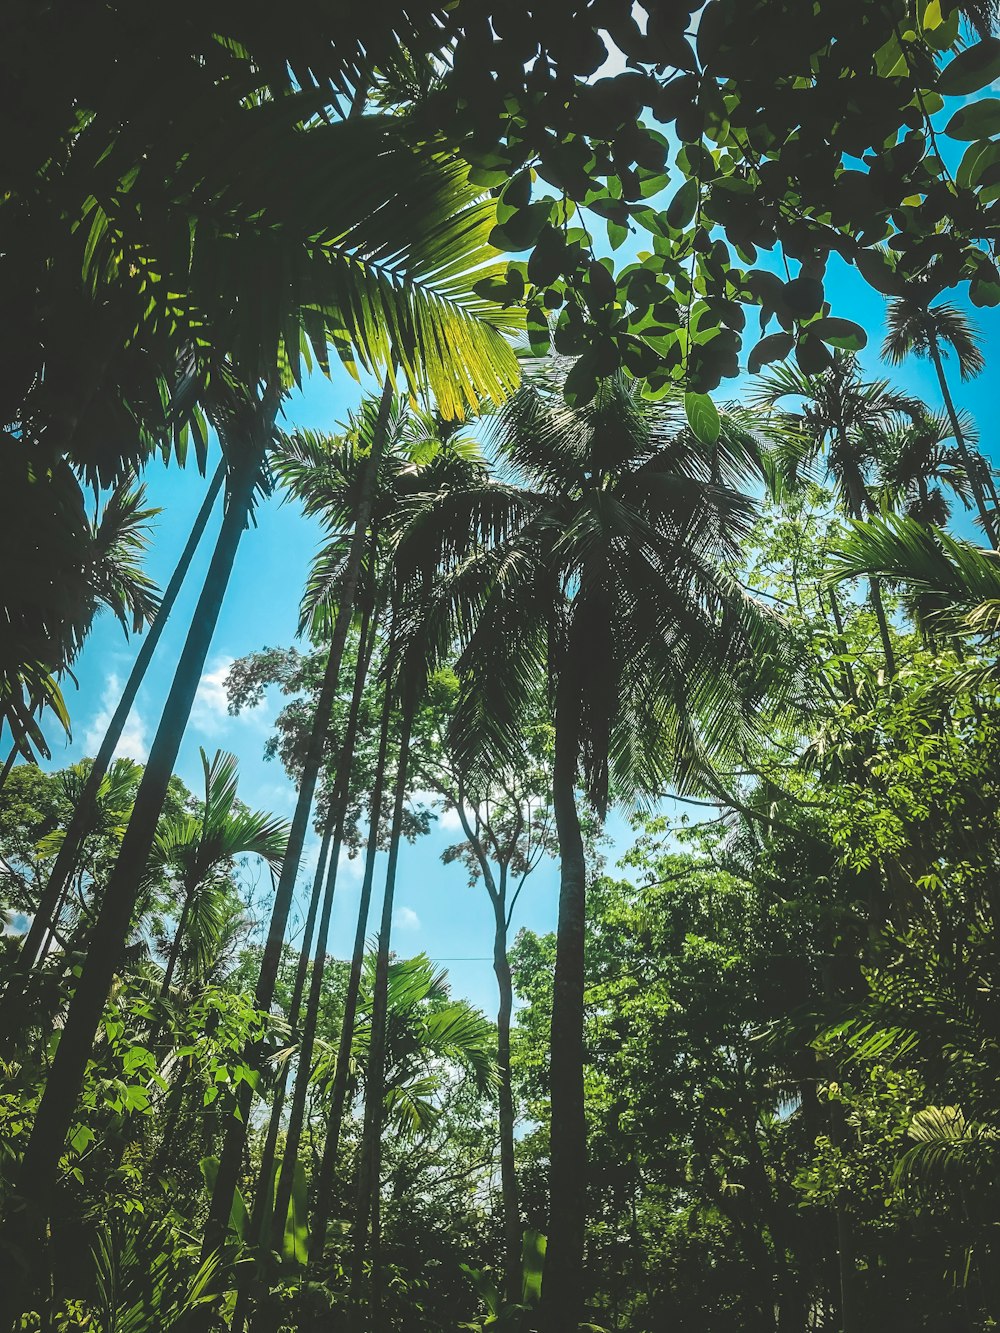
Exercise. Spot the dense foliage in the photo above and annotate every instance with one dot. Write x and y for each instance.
(750, 1080)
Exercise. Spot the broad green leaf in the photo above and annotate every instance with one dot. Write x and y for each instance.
(239, 1218)
(939, 32)
(973, 69)
(842, 333)
(532, 1263)
(703, 417)
(581, 382)
(539, 337)
(812, 355)
(803, 296)
(295, 1243)
(979, 120)
(683, 206)
(974, 161)
(617, 234)
(775, 347)
(521, 230)
(879, 273)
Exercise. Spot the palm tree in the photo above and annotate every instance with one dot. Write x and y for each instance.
(58, 569)
(957, 584)
(596, 572)
(420, 1031)
(271, 1194)
(341, 1076)
(372, 429)
(338, 813)
(917, 327)
(915, 460)
(840, 417)
(194, 846)
(418, 269)
(368, 1172)
(47, 912)
(326, 476)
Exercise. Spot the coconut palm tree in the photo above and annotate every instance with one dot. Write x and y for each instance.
(918, 328)
(339, 804)
(326, 475)
(839, 417)
(596, 571)
(372, 428)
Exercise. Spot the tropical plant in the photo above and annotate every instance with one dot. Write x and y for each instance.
(602, 578)
(60, 569)
(443, 252)
(62, 868)
(924, 330)
(844, 417)
(193, 846)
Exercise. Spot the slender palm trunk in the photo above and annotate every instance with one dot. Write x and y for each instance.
(248, 1274)
(178, 941)
(505, 1098)
(341, 1075)
(971, 464)
(81, 821)
(37, 1176)
(236, 1129)
(303, 1072)
(8, 763)
(878, 606)
(860, 502)
(562, 1286)
(369, 1172)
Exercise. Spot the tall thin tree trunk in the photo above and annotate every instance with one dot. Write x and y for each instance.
(878, 606)
(303, 1072)
(505, 1098)
(496, 887)
(341, 1074)
(971, 464)
(236, 1129)
(369, 1172)
(37, 1176)
(177, 943)
(8, 764)
(563, 1279)
(82, 817)
(248, 1274)
(860, 504)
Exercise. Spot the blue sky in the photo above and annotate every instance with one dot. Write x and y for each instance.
(437, 911)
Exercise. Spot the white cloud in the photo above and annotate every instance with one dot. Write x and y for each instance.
(350, 868)
(448, 819)
(405, 918)
(134, 743)
(210, 711)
